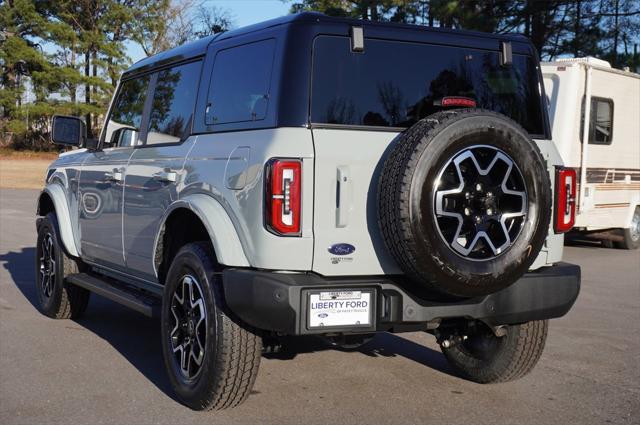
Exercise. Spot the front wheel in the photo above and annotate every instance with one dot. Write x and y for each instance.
(212, 359)
(485, 358)
(56, 298)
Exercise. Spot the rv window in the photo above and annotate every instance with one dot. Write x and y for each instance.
(600, 122)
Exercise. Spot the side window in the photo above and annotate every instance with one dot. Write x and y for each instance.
(600, 122)
(240, 83)
(174, 100)
(123, 126)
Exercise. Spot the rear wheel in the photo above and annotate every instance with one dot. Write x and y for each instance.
(57, 298)
(631, 235)
(486, 358)
(211, 358)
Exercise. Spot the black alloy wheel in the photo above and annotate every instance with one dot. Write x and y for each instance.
(480, 202)
(189, 326)
(47, 266)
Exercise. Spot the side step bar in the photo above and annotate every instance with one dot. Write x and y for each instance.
(128, 297)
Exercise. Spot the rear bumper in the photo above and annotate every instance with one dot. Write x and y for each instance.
(278, 301)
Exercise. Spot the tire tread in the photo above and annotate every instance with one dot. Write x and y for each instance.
(515, 359)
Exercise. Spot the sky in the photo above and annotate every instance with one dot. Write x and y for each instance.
(243, 13)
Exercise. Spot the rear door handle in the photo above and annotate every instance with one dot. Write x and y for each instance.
(343, 196)
(113, 176)
(166, 176)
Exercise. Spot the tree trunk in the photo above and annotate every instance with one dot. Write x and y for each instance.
(576, 35)
(616, 32)
(374, 10)
(72, 86)
(87, 90)
(538, 27)
(94, 90)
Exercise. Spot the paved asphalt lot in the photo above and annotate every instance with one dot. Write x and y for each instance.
(107, 367)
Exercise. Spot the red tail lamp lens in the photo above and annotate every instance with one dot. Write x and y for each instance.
(565, 216)
(283, 196)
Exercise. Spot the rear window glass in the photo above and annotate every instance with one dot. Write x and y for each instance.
(240, 83)
(395, 84)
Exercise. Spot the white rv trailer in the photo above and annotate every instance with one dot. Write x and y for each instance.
(609, 164)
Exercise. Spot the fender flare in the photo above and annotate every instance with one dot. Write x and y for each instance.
(222, 232)
(57, 195)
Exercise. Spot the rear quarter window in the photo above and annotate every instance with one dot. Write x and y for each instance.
(395, 84)
(240, 83)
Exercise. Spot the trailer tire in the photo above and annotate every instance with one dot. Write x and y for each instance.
(631, 235)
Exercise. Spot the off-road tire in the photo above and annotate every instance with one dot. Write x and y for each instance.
(514, 355)
(67, 301)
(233, 350)
(407, 184)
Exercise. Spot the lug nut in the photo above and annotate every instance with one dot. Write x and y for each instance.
(478, 219)
(467, 211)
(478, 187)
(489, 211)
(467, 195)
(489, 194)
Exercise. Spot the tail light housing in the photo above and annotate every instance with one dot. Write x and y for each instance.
(283, 178)
(456, 101)
(565, 202)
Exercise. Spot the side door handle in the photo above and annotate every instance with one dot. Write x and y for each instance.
(166, 176)
(113, 176)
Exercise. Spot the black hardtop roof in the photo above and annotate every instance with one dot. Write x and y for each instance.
(199, 47)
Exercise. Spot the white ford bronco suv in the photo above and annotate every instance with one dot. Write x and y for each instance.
(319, 176)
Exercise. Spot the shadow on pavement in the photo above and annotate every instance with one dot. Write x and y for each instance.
(137, 338)
(382, 345)
(20, 266)
(583, 241)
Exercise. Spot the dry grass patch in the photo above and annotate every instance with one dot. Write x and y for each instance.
(23, 173)
(6, 153)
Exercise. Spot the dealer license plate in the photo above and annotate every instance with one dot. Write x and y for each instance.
(340, 308)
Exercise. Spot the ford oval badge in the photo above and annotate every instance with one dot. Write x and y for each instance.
(342, 249)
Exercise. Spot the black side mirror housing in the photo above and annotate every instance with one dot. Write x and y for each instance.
(68, 131)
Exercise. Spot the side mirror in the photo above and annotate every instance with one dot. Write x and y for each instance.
(68, 131)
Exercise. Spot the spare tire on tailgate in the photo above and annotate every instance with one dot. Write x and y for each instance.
(464, 202)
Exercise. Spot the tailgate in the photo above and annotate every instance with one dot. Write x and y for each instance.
(347, 163)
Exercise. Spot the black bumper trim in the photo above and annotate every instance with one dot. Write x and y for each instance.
(276, 302)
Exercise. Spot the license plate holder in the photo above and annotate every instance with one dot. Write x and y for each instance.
(340, 309)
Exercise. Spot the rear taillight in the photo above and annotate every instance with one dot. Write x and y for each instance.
(565, 216)
(283, 196)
